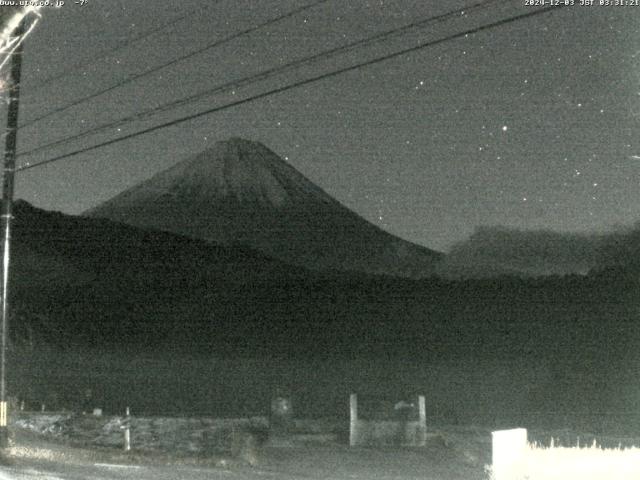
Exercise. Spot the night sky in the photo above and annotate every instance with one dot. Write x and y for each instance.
(532, 124)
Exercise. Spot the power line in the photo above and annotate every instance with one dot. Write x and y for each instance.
(326, 54)
(122, 45)
(300, 83)
(264, 75)
(147, 72)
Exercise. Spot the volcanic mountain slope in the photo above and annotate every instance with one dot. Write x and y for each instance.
(240, 192)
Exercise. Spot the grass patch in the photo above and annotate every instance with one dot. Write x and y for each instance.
(552, 462)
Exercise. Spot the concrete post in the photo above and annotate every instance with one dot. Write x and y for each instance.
(508, 453)
(422, 417)
(353, 419)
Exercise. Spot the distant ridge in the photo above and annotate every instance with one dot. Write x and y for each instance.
(240, 192)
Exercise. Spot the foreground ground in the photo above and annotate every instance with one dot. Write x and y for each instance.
(451, 453)
(326, 464)
(442, 459)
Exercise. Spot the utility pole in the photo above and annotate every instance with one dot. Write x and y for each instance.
(7, 201)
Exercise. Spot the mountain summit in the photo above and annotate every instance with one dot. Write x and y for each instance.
(240, 192)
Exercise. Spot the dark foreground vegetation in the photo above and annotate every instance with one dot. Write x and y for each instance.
(171, 325)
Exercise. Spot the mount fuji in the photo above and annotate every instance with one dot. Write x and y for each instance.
(241, 193)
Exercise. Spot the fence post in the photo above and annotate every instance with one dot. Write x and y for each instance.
(508, 453)
(422, 412)
(127, 431)
(353, 419)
